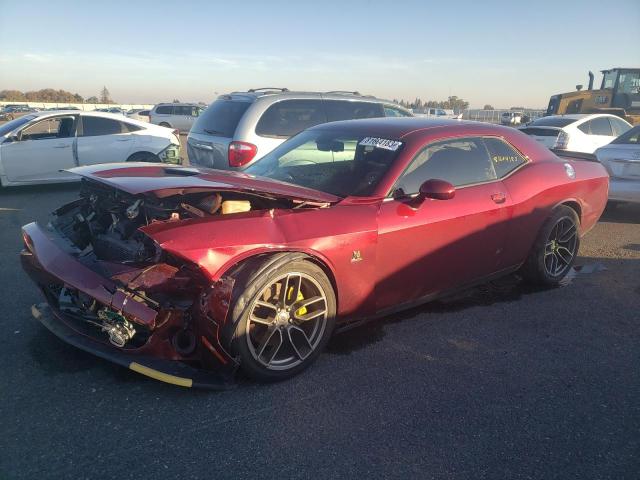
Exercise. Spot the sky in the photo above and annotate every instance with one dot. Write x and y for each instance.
(503, 53)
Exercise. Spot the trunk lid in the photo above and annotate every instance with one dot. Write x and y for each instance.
(165, 180)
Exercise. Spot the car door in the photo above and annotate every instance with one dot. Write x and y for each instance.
(441, 244)
(103, 140)
(40, 150)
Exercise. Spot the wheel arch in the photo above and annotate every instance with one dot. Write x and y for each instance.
(260, 260)
(129, 158)
(574, 205)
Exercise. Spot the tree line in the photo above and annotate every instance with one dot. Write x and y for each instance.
(452, 103)
(50, 95)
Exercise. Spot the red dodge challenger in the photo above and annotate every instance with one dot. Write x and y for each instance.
(187, 274)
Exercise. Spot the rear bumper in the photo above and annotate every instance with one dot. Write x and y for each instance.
(624, 190)
(167, 371)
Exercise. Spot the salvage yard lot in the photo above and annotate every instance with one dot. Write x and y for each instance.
(503, 381)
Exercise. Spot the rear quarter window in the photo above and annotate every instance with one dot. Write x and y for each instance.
(601, 126)
(505, 158)
(164, 110)
(288, 117)
(345, 110)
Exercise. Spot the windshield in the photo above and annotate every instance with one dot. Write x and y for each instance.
(342, 164)
(553, 122)
(13, 124)
(221, 118)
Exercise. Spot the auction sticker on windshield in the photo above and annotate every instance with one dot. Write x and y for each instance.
(384, 143)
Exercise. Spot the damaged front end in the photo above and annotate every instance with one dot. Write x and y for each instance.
(112, 291)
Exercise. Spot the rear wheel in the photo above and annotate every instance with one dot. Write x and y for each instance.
(555, 249)
(165, 124)
(287, 318)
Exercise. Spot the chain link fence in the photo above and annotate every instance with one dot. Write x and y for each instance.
(494, 116)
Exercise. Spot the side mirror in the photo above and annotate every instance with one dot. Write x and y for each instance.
(436, 189)
(11, 139)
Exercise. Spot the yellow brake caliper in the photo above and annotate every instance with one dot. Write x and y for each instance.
(302, 310)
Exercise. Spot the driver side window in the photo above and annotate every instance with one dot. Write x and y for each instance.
(56, 127)
(460, 161)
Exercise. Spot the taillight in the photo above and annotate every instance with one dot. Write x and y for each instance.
(241, 153)
(28, 243)
(562, 141)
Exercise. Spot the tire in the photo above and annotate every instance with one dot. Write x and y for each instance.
(555, 249)
(143, 157)
(282, 343)
(165, 124)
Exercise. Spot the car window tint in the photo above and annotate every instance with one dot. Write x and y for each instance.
(585, 127)
(601, 126)
(56, 127)
(461, 162)
(349, 110)
(94, 126)
(505, 158)
(619, 126)
(221, 118)
(390, 111)
(553, 122)
(288, 117)
(632, 137)
(129, 127)
(183, 110)
(164, 109)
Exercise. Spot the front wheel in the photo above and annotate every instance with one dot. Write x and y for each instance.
(556, 248)
(287, 319)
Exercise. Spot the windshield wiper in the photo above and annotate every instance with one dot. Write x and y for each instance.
(212, 132)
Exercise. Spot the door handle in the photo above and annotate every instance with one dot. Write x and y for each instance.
(61, 146)
(498, 197)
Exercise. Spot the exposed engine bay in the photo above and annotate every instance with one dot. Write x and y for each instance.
(103, 227)
(107, 220)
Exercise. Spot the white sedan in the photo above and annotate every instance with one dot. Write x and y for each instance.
(36, 148)
(577, 133)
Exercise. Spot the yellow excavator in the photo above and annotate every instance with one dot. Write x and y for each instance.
(619, 94)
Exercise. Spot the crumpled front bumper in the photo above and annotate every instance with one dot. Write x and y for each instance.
(175, 373)
(46, 262)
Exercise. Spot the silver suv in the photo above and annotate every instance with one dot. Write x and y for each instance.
(239, 128)
(175, 115)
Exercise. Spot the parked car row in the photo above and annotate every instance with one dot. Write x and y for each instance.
(240, 128)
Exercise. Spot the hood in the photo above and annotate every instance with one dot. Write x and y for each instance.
(164, 180)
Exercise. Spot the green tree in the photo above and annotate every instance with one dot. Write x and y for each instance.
(488, 107)
(93, 99)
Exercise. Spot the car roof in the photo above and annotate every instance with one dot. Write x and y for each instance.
(394, 127)
(188, 104)
(114, 116)
(251, 95)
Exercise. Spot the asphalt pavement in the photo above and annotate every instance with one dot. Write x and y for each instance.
(501, 382)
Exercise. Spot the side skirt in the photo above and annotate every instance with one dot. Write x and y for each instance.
(356, 322)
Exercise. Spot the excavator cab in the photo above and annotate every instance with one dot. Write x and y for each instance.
(619, 94)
